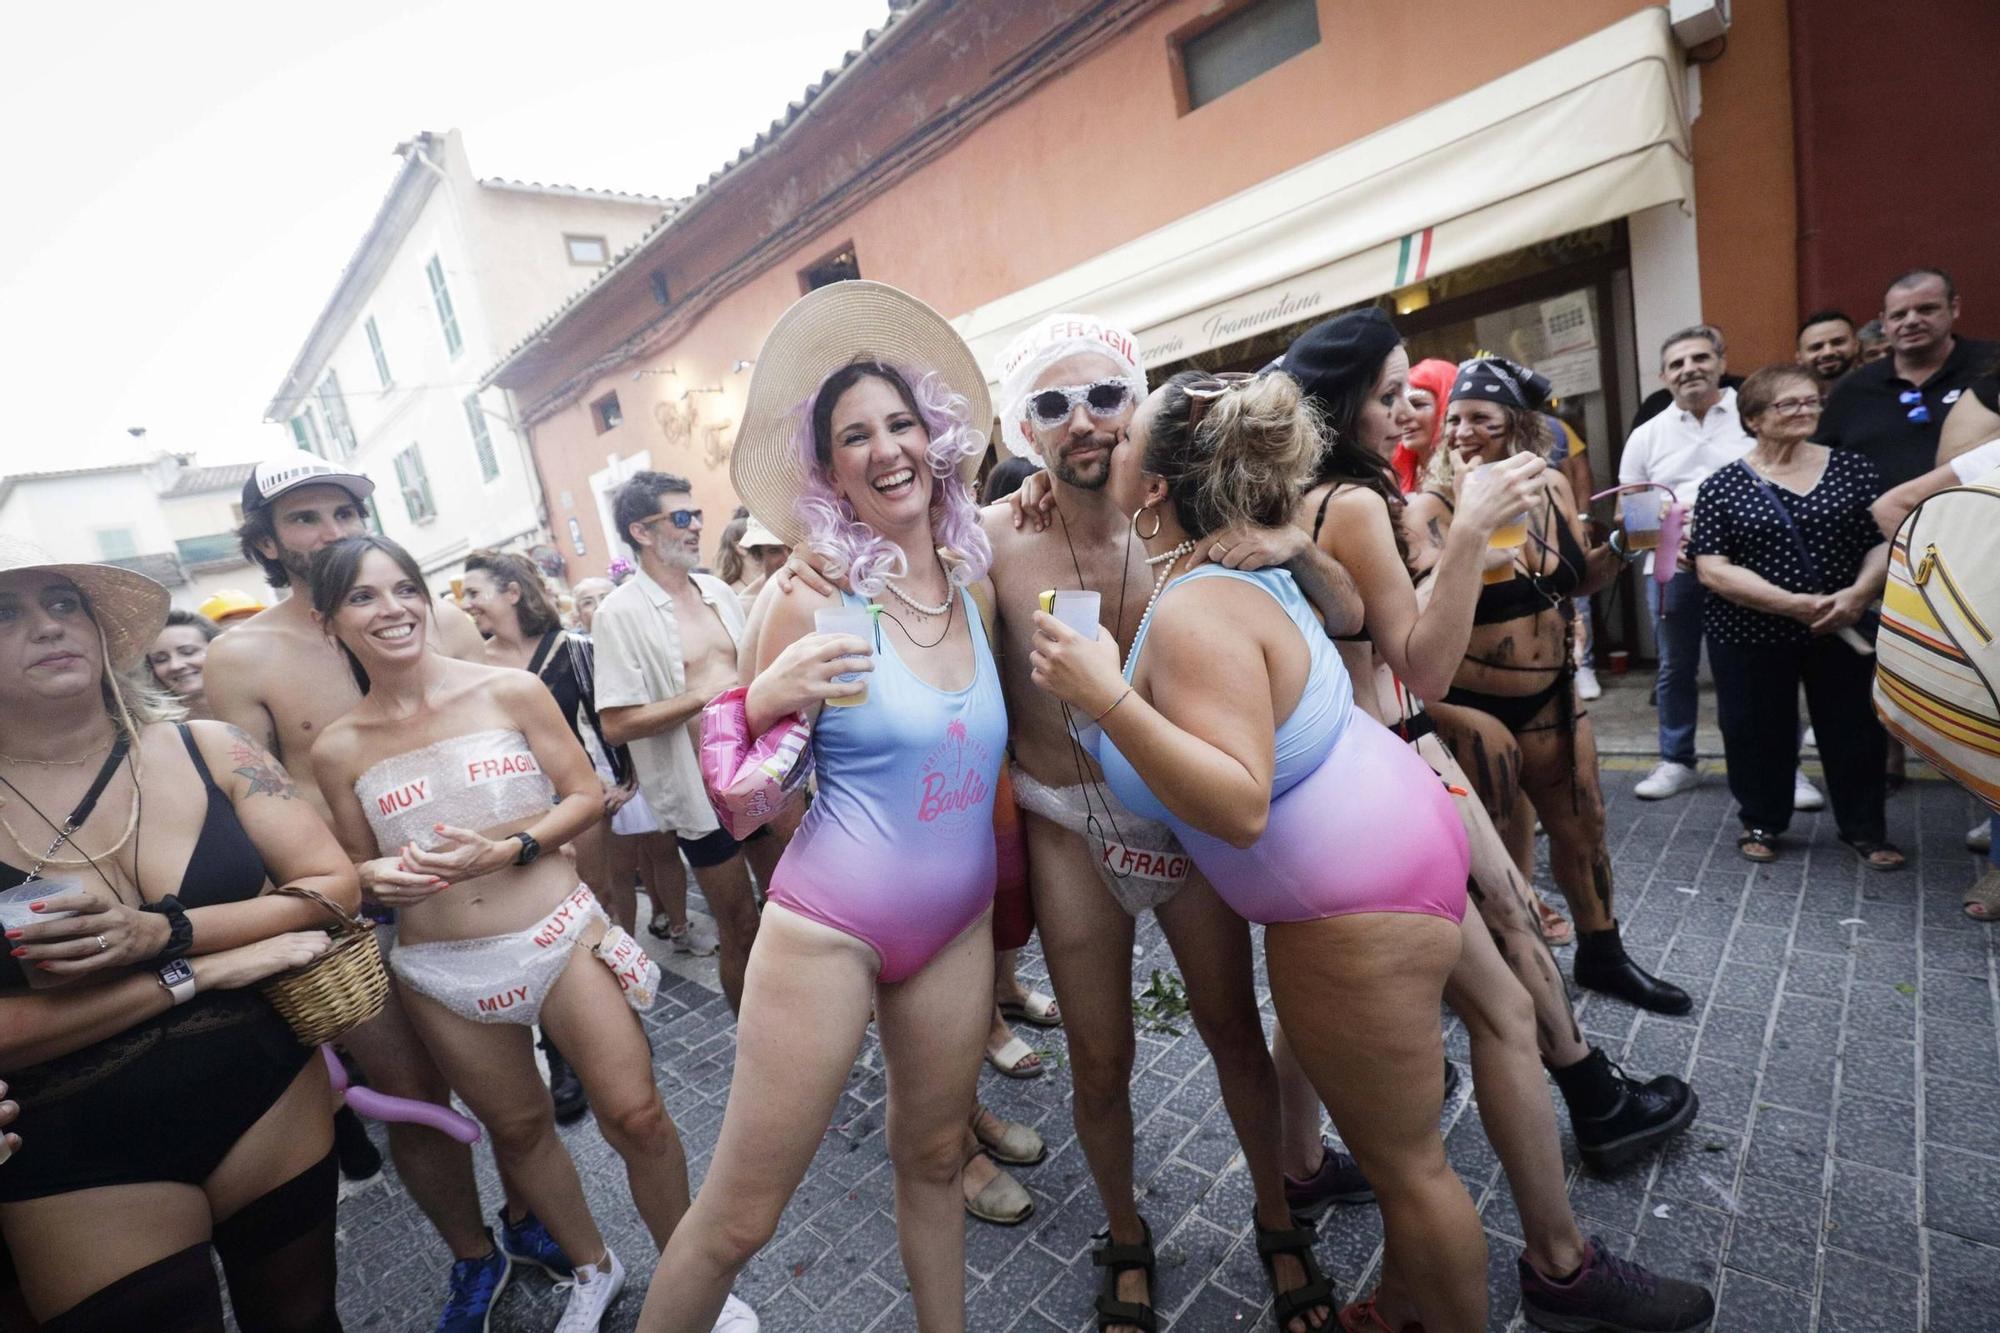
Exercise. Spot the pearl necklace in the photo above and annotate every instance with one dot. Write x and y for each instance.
(1173, 557)
(921, 608)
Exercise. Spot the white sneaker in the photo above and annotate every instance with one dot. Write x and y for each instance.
(590, 1295)
(692, 939)
(1979, 838)
(1587, 687)
(1805, 796)
(736, 1318)
(1669, 779)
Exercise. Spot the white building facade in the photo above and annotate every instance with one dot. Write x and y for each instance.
(452, 271)
(162, 516)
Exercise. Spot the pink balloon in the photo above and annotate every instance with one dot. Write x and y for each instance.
(401, 1110)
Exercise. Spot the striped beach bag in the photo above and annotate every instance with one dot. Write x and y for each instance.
(1937, 679)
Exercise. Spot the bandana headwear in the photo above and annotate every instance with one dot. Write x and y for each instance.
(1043, 344)
(1495, 379)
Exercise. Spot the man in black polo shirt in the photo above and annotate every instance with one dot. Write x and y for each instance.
(1892, 410)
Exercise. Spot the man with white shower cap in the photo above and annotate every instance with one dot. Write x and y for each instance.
(1069, 385)
(1108, 355)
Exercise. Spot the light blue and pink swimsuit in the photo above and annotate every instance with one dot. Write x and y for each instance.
(1358, 822)
(897, 849)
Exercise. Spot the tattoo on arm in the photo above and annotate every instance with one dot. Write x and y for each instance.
(254, 764)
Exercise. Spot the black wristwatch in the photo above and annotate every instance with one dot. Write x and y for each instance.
(180, 930)
(530, 849)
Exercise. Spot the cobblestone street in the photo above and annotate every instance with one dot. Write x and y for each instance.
(1844, 1173)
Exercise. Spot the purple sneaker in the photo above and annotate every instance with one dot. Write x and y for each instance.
(1338, 1180)
(1613, 1295)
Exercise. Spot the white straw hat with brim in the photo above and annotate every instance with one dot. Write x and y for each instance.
(130, 608)
(826, 329)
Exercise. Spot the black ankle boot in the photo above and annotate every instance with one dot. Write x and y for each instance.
(1601, 965)
(1617, 1118)
(564, 1086)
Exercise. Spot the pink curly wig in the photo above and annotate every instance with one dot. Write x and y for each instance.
(856, 551)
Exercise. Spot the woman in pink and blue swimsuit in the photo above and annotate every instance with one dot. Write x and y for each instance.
(883, 900)
(1233, 721)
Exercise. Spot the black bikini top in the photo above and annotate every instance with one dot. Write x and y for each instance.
(1319, 521)
(225, 866)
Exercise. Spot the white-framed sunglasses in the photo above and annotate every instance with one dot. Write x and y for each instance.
(1104, 399)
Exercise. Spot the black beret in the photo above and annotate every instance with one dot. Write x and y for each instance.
(1495, 379)
(1329, 357)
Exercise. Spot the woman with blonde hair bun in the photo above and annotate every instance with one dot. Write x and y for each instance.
(1233, 720)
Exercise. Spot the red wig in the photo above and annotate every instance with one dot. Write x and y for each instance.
(1436, 376)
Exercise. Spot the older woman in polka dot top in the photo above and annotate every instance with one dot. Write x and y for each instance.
(1784, 538)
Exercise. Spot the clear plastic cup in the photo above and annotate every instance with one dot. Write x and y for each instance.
(1644, 511)
(14, 912)
(1508, 535)
(855, 620)
(1078, 609)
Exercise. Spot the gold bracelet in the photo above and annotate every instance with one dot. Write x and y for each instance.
(1114, 703)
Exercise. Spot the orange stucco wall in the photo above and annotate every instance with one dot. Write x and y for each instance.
(1746, 209)
(1098, 156)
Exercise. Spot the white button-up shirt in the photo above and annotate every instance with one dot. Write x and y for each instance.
(1679, 452)
(638, 642)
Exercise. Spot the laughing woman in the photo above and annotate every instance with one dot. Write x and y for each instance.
(860, 441)
(447, 783)
(1511, 715)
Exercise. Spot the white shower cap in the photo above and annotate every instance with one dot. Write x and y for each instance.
(1040, 346)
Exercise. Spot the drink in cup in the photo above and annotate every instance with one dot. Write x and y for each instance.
(855, 620)
(14, 913)
(1077, 609)
(1643, 513)
(1512, 533)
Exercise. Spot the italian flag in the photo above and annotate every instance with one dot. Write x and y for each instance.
(1413, 257)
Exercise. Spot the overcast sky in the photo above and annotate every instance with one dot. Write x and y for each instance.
(184, 182)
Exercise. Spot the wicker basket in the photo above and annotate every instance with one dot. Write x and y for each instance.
(341, 989)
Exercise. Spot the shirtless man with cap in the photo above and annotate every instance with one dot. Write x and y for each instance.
(283, 681)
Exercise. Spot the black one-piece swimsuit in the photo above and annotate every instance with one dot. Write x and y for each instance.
(168, 1098)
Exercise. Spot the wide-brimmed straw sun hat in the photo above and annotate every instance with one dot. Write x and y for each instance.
(826, 329)
(130, 608)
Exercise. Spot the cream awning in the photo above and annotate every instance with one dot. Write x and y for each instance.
(1591, 132)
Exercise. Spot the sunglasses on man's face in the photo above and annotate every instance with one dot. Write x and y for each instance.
(1103, 400)
(680, 518)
